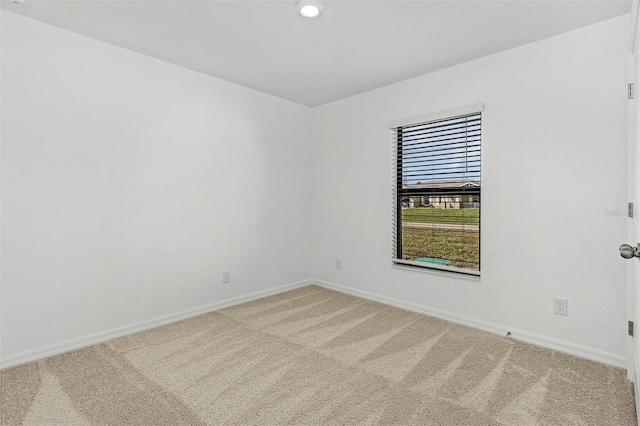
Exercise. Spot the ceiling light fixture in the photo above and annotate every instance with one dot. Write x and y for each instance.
(309, 8)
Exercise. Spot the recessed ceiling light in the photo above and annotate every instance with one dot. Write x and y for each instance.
(309, 8)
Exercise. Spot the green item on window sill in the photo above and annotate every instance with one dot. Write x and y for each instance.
(433, 260)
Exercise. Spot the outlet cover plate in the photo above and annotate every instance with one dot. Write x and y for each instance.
(559, 306)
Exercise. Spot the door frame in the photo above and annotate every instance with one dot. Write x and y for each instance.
(633, 196)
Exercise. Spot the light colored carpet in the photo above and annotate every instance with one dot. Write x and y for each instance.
(312, 356)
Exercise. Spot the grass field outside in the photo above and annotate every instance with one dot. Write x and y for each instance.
(441, 216)
(461, 246)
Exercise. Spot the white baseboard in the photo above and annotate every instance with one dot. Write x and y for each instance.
(546, 342)
(93, 339)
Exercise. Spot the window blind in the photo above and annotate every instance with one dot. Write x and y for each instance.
(437, 188)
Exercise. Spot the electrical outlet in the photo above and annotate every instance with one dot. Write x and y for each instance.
(226, 277)
(560, 306)
(338, 264)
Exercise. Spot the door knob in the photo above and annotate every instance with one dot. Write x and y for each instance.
(629, 252)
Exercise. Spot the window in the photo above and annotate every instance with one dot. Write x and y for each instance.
(437, 190)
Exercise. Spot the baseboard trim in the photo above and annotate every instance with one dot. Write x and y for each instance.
(100, 337)
(546, 342)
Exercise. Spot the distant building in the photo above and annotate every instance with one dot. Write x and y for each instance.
(444, 194)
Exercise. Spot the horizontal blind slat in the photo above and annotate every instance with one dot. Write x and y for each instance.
(453, 135)
(475, 153)
(442, 143)
(441, 123)
(472, 124)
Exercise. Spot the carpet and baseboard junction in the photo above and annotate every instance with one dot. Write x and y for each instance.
(314, 356)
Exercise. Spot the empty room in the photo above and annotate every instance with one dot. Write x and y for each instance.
(303, 212)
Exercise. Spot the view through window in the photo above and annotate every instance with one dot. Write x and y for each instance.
(437, 193)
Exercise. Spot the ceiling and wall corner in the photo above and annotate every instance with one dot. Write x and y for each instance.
(354, 47)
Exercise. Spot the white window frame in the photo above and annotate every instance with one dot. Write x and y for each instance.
(393, 126)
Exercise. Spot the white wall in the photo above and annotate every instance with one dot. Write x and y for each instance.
(129, 185)
(554, 143)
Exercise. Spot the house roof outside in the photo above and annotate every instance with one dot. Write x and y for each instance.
(445, 184)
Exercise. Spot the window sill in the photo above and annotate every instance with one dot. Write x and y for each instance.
(476, 277)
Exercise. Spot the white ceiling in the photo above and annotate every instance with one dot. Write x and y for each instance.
(354, 47)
